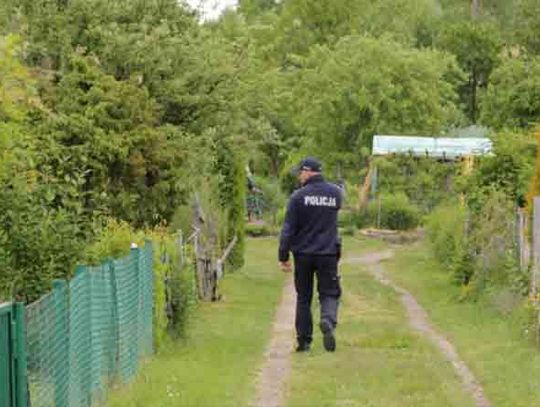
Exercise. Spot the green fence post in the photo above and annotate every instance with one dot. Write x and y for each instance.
(61, 356)
(21, 368)
(136, 253)
(115, 369)
(5, 356)
(84, 355)
(149, 295)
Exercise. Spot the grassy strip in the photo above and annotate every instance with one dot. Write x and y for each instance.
(217, 363)
(380, 361)
(493, 346)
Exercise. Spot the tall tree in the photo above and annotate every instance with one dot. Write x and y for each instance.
(513, 96)
(527, 25)
(477, 46)
(343, 96)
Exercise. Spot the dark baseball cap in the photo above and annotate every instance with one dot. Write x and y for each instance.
(309, 164)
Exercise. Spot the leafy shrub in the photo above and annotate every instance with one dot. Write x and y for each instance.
(346, 218)
(425, 181)
(280, 216)
(230, 170)
(174, 292)
(452, 246)
(260, 230)
(478, 248)
(394, 211)
(351, 195)
(446, 232)
(175, 285)
(39, 243)
(113, 241)
(509, 170)
(348, 230)
(492, 235)
(273, 198)
(182, 218)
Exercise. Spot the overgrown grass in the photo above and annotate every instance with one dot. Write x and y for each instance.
(493, 345)
(380, 361)
(217, 363)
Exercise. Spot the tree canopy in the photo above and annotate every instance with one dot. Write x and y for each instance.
(125, 109)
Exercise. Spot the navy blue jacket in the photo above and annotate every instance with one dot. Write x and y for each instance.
(310, 225)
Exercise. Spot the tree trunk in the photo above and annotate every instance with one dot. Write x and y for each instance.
(474, 89)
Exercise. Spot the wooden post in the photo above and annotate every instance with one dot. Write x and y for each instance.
(221, 262)
(198, 221)
(536, 250)
(524, 248)
(180, 248)
(205, 243)
(476, 8)
(379, 210)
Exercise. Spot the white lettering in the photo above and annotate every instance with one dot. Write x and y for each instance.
(313, 200)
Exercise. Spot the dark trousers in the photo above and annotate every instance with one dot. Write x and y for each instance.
(328, 287)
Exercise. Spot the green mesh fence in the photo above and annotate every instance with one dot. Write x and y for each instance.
(91, 332)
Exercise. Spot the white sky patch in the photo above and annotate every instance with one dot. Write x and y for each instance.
(211, 9)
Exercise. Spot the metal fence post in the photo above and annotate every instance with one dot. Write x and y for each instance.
(21, 368)
(115, 371)
(136, 253)
(6, 374)
(61, 372)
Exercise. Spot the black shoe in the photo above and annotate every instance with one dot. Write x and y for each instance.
(329, 340)
(303, 347)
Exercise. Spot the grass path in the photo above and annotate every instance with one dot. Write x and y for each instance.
(218, 362)
(492, 344)
(419, 320)
(380, 361)
(277, 365)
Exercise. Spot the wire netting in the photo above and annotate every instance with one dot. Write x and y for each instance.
(91, 332)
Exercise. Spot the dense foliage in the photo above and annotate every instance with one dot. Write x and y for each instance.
(127, 110)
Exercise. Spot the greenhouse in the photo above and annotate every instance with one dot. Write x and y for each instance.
(445, 148)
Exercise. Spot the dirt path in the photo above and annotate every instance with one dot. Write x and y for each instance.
(277, 366)
(419, 320)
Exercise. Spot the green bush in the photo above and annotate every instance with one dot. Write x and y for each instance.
(273, 198)
(478, 247)
(174, 291)
(260, 230)
(175, 294)
(351, 195)
(230, 170)
(450, 245)
(492, 235)
(280, 216)
(113, 241)
(160, 320)
(394, 211)
(40, 241)
(348, 230)
(446, 232)
(346, 218)
(425, 181)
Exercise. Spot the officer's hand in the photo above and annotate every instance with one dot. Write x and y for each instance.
(285, 266)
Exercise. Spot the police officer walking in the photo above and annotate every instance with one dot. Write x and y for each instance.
(310, 232)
